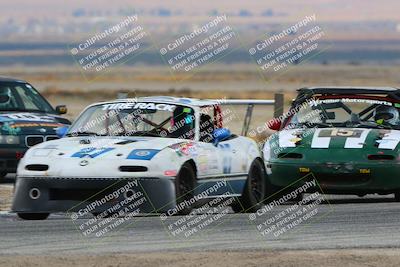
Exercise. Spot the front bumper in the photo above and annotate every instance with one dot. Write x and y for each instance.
(9, 158)
(340, 177)
(77, 194)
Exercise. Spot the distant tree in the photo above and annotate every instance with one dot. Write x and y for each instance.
(245, 13)
(214, 12)
(163, 12)
(127, 11)
(80, 12)
(268, 13)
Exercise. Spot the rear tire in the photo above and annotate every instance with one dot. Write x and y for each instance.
(397, 196)
(184, 186)
(254, 190)
(33, 216)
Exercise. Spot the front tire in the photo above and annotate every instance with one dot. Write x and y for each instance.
(33, 216)
(254, 191)
(184, 186)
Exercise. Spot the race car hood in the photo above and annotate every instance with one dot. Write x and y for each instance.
(322, 145)
(339, 138)
(94, 156)
(107, 147)
(23, 123)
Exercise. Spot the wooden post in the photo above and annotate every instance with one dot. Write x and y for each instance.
(279, 105)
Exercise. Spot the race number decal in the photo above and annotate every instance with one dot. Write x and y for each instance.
(340, 133)
(355, 138)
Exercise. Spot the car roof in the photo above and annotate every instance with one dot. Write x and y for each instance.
(9, 79)
(195, 102)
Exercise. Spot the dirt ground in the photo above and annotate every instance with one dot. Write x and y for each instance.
(67, 85)
(326, 258)
(5, 197)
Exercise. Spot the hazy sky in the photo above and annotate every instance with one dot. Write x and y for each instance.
(331, 10)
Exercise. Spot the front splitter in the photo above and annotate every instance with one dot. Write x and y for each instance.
(92, 195)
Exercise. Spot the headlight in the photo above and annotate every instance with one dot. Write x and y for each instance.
(41, 152)
(9, 139)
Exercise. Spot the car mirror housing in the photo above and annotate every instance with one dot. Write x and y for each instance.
(220, 135)
(61, 109)
(274, 124)
(62, 131)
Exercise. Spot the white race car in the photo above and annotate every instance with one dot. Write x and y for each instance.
(175, 151)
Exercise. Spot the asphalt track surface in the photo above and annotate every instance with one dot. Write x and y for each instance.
(344, 222)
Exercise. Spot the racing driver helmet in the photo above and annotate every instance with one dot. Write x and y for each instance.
(387, 114)
(5, 97)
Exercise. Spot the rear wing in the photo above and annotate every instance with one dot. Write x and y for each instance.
(277, 103)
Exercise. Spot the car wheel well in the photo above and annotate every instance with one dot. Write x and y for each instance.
(193, 164)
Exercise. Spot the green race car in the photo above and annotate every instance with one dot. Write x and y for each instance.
(345, 138)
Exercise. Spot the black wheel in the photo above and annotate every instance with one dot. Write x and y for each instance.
(397, 196)
(33, 216)
(272, 192)
(254, 190)
(237, 206)
(184, 185)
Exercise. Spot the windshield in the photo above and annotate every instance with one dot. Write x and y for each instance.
(22, 97)
(136, 119)
(347, 112)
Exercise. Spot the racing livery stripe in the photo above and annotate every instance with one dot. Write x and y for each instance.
(390, 140)
(91, 152)
(357, 142)
(320, 142)
(25, 117)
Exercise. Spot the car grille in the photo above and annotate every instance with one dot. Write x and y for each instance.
(73, 194)
(32, 140)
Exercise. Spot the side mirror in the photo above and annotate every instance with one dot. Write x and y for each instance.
(274, 124)
(220, 135)
(61, 109)
(62, 131)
